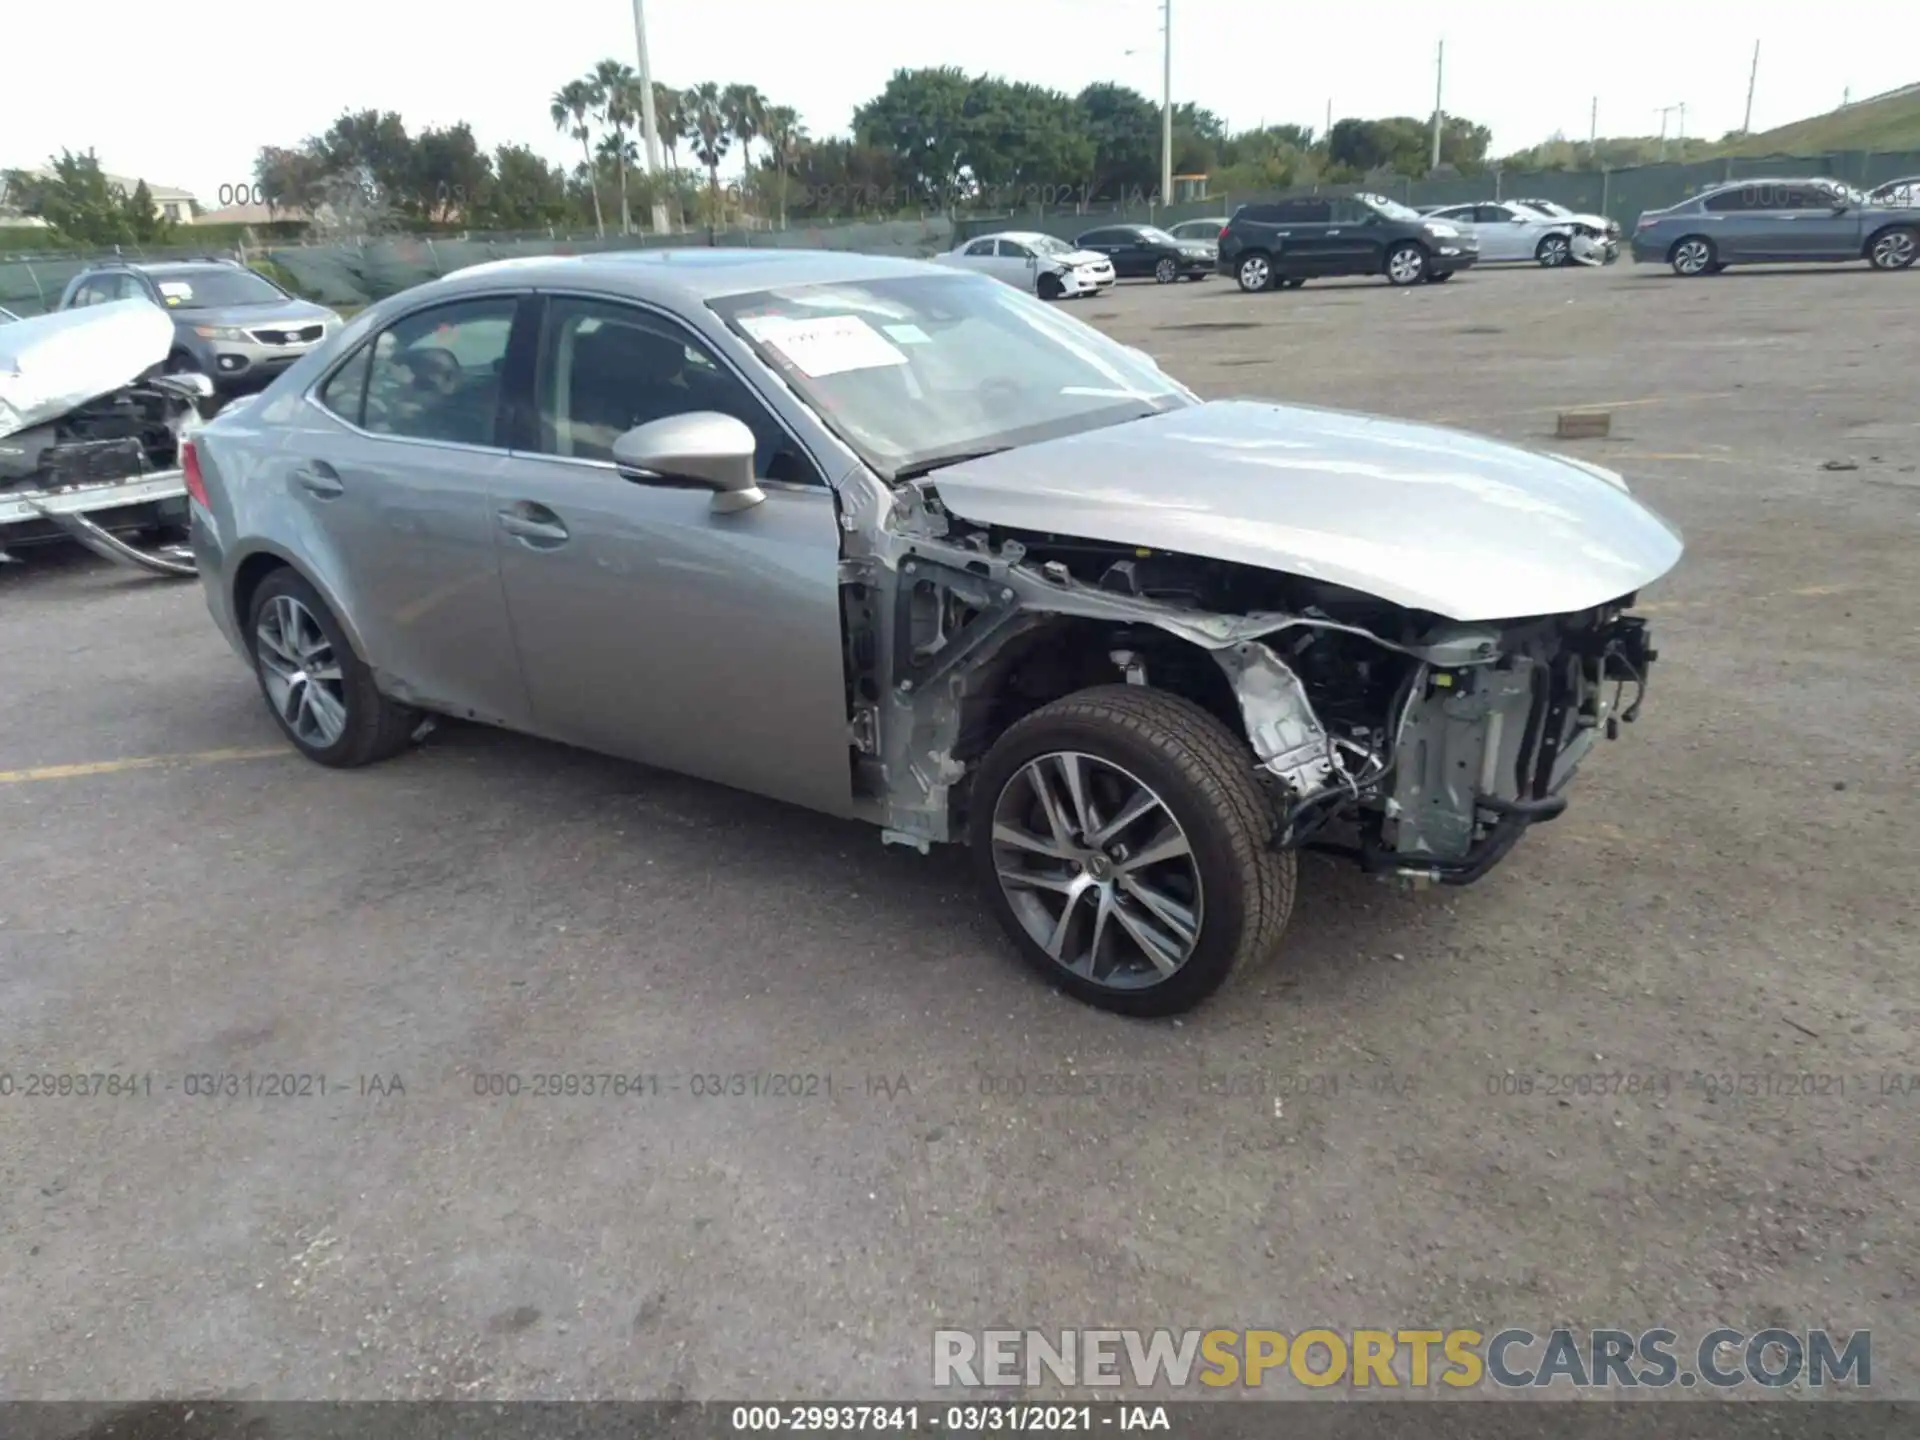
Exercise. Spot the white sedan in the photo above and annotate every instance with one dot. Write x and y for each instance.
(1044, 264)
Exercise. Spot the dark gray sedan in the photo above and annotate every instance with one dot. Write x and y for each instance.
(1772, 221)
(907, 546)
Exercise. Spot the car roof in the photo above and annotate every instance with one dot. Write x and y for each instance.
(695, 273)
(146, 265)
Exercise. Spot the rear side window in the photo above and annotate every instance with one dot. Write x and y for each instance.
(436, 375)
(1302, 212)
(980, 247)
(345, 393)
(1734, 199)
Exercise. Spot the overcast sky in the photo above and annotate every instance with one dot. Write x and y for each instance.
(186, 97)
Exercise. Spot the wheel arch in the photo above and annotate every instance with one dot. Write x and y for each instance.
(1866, 248)
(251, 571)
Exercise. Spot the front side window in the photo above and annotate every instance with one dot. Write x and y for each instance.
(605, 368)
(916, 370)
(1015, 250)
(435, 375)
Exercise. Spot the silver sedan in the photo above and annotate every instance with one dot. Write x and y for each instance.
(909, 547)
(1510, 233)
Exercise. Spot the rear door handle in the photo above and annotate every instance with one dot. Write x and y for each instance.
(538, 526)
(319, 478)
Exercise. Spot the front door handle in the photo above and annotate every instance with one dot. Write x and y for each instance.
(319, 478)
(538, 526)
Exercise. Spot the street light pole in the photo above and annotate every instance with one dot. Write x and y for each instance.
(649, 124)
(1439, 67)
(1166, 109)
(1746, 126)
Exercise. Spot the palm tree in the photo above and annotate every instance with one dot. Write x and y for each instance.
(745, 109)
(780, 127)
(709, 131)
(670, 119)
(618, 88)
(572, 107)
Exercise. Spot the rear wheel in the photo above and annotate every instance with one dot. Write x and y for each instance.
(321, 694)
(1122, 841)
(1254, 272)
(1406, 264)
(1893, 249)
(1166, 272)
(1694, 255)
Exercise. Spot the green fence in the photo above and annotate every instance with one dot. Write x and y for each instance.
(362, 271)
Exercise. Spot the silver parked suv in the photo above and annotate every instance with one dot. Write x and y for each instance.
(231, 324)
(1765, 221)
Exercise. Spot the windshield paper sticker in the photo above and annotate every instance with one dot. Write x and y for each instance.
(176, 290)
(907, 334)
(827, 346)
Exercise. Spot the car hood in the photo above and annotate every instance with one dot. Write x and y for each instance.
(1425, 517)
(253, 317)
(1078, 257)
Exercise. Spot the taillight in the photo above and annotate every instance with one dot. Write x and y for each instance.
(190, 465)
(1221, 238)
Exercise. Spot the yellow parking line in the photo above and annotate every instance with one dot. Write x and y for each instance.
(138, 762)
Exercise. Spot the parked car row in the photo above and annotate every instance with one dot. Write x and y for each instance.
(1055, 269)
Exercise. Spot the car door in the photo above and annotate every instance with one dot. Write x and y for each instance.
(1831, 227)
(392, 467)
(979, 256)
(647, 624)
(1790, 221)
(1504, 233)
(1016, 264)
(1110, 243)
(1300, 230)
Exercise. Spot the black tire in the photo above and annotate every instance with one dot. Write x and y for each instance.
(1048, 287)
(1254, 272)
(1553, 251)
(1893, 248)
(1435, 277)
(1166, 271)
(376, 728)
(1406, 263)
(1693, 256)
(1204, 775)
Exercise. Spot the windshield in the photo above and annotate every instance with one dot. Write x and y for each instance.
(1546, 207)
(206, 289)
(1048, 245)
(913, 370)
(1158, 237)
(1392, 209)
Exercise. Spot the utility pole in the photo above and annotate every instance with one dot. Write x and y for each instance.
(1746, 126)
(1166, 108)
(1593, 124)
(1439, 68)
(1683, 127)
(1326, 135)
(649, 124)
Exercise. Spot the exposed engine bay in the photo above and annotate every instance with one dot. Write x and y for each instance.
(1418, 746)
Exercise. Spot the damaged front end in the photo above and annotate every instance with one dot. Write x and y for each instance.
(1418, 746)
(90, 436)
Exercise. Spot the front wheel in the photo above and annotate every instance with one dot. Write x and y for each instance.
(1894, 249)
(1693, 256)
(1048, 287)
(1122, 842)
(1166, 272)
(321, 694)
(1553, 251)
(1406, 264)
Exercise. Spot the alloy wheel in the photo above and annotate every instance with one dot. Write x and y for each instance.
(1692, 257)
(1894, 250)
(301, 673)
(1255, 273)
(1406, 265)
(1166, 272)
(1097, 870)
(1554, 251)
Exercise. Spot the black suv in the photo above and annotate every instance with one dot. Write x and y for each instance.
(1148, 250)
(1313, 236)
(230, 323)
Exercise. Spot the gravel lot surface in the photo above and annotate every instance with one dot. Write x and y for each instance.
(1731, 895)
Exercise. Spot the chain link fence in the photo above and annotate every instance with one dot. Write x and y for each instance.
(359, 272)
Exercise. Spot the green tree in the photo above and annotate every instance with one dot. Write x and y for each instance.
(571, 109)
(746, 110)
(710, 132)
(786, 137)
(370, 149)
(527, 193)
(79, 203)
(1125, 129)
(921, 118)
(616, 90)
(289, 179)
(451, 174)
(670, 120)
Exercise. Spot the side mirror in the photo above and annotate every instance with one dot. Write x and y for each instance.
(703, 448)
